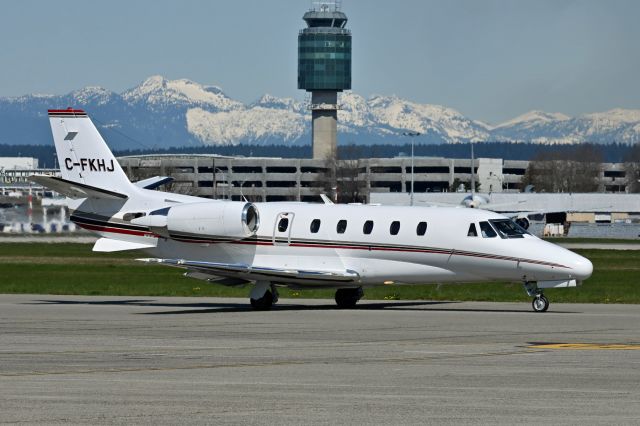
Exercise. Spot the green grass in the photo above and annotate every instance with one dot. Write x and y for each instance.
(560, 240)
(42, 268)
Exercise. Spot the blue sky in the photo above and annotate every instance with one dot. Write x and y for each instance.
(490, 59)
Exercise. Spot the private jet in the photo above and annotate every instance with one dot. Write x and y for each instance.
(291, 244)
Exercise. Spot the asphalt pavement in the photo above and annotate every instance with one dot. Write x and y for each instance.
(144, 360)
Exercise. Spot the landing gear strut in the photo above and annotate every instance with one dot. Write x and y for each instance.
(263, 296)
(540, 303)
(346, 298)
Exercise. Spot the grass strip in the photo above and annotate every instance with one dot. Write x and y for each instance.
(73, 269)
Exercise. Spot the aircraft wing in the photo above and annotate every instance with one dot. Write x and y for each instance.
(256, 273)
(74, 190)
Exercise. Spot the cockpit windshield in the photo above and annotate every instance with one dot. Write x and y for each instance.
(508, 228)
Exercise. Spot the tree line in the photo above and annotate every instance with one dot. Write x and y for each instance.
(614, 153)
(577, 169)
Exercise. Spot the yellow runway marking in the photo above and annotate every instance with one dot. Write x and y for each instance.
(587, 346)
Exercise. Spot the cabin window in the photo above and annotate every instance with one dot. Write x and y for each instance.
(508, 229)
(342, 226)
(315, 226)
(421, 229)
(367, 227)
(283, 224)
(472, 231)
(487, 231)
(394, 228)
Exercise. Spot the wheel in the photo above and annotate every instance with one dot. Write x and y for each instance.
(346, 298)
(540, 304)
(264, 303)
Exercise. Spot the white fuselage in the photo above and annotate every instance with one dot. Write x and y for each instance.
(445, 253)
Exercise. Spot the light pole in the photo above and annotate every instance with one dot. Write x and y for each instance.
(412, 135)
(215, 182)
(241, 194)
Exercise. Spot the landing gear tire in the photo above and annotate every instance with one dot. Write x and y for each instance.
(346, 298)
(540, 303)
(264, 303)
(263, 296)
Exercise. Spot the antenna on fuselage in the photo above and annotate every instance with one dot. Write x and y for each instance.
(326, 199)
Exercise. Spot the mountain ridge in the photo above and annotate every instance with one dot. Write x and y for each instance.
(161, 113)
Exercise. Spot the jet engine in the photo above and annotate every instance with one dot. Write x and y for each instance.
(227, 219)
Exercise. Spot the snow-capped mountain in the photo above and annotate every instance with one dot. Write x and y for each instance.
(617, 125)
(162, 113)
(158, 93)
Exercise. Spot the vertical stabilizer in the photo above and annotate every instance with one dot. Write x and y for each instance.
(83, 155)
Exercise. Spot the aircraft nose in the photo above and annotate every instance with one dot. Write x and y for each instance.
(582, 267)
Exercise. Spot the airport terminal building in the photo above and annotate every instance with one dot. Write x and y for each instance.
(300, 179)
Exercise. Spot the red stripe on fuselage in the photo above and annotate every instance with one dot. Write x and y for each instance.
(116, 230)
(325, 246)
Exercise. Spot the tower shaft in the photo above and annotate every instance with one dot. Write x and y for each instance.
(324, 123)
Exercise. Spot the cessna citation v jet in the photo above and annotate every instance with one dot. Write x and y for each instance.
(296, 245)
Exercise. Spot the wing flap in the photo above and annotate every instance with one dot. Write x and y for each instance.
(254, 272)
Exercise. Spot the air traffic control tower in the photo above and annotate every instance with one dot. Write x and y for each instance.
(324, 69)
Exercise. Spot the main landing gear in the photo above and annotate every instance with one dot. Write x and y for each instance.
(346, 298)
(263, 296)
(540, 303)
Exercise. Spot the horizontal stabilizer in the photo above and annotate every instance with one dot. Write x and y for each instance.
(75, 190)
(153, 182)
(254, 272)
(110, 245)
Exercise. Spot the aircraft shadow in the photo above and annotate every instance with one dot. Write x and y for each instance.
(211, 308)
(208, 307)
(241, 307)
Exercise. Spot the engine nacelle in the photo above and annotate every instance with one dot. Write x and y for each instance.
(226, 219)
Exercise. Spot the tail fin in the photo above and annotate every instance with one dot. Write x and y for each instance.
(83, 155)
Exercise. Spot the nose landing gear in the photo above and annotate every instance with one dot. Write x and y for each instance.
(540, 303)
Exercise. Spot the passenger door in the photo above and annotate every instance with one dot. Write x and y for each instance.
(282, 228)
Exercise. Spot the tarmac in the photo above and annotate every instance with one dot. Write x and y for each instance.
(144, 360)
